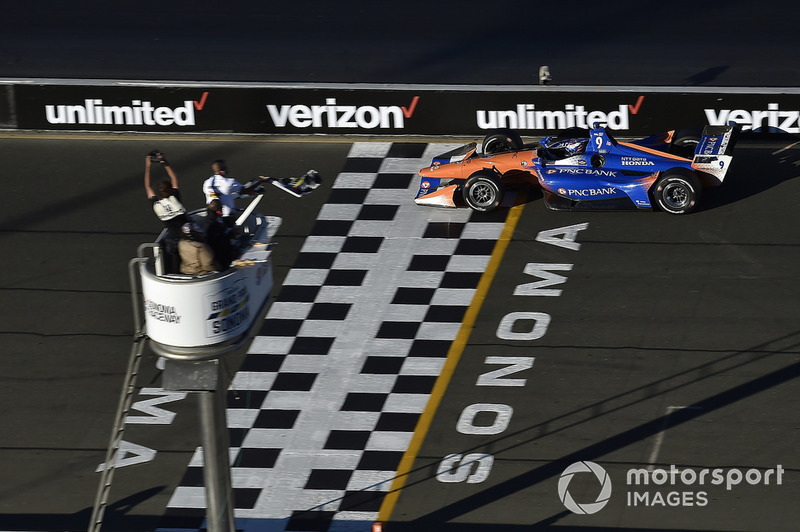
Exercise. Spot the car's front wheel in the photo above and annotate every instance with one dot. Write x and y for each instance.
(677, 191)
(483, 192)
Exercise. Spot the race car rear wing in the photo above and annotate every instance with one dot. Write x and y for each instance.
(714, 152)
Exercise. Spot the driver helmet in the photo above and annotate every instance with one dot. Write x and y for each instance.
(574, 147)
(569, 147)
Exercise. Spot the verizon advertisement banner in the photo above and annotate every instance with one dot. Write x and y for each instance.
(407, 111)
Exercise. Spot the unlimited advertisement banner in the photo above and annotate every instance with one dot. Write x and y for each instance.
(113, 108)
(407, 110)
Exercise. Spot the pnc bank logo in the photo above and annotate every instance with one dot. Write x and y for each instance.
(602, 497)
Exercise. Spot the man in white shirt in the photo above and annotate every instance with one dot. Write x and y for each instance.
(226, 189)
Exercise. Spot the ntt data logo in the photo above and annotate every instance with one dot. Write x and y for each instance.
(602, 478)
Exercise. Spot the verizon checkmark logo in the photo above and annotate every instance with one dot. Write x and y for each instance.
(638, 105)
(202, 102)
(407, 112)
(333, 115)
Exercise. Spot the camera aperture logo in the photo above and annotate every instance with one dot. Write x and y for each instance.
(585, 508)
(672, 487)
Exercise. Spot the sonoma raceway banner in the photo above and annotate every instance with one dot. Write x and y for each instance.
(406, 110)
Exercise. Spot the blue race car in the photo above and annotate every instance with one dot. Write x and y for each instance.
(583, 169)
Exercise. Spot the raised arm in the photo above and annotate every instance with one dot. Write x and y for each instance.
(173, 177)
(158, 156)
(147, 188)
(162, 160)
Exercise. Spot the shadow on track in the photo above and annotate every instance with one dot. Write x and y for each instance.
(437, 519)
(117, 517)
(760, 162)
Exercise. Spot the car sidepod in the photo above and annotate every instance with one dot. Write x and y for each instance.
(609, 175)
(576, 188)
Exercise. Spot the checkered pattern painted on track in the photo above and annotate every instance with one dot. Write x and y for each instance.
(326, 401)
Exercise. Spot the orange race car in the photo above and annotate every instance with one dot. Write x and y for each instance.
(583, 169)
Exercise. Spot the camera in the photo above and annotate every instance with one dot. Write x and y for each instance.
(155, 156)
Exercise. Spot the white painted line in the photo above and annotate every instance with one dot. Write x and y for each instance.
(660, 436)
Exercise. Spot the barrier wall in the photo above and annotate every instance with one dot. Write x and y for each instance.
(376, 110)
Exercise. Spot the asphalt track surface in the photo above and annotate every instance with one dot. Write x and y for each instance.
(667, 345)
(674, 340)
(67, 315)
(68, 323)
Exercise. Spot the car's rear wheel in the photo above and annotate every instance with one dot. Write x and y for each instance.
(483, 192)
(500, 141)
(685, 141)
(677, 191)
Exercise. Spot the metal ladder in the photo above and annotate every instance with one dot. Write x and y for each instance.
(125, 401)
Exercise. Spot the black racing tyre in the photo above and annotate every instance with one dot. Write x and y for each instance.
(501, 140)
(483, 192)
(685, 141)
(677, 191)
